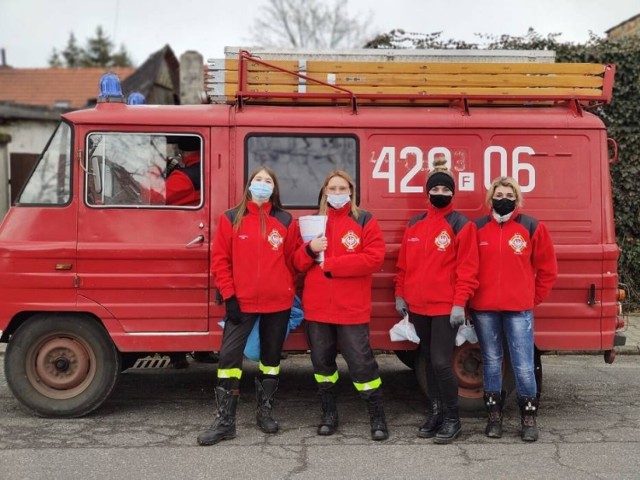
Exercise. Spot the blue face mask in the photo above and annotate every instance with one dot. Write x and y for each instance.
(338, 200)
(260, 191)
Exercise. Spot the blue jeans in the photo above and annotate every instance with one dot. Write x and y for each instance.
(517, 328)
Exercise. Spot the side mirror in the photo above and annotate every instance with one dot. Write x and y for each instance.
(96, 173)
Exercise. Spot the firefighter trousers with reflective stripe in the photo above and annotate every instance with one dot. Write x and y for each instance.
(353, 342)
(273, 331)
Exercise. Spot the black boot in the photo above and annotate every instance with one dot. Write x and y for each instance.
(494, 402)
(450, 429)
(434, 419)
(329, 419)
(528, 413)
(224, 426)
(377, 418)
(265, 393)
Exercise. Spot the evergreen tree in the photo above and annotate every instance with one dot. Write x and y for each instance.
(72, 53)
(98, 53)
(54, 59)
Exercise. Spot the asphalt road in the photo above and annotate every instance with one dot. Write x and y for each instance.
(589, 422)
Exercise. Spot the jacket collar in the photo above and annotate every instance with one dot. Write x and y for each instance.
(252, 207)
(339, 212)
(513, 216)
(439, 212)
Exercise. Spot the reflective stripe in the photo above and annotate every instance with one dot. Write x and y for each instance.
(322, 379)
(229, 373)
(372, 385)
(269, 370)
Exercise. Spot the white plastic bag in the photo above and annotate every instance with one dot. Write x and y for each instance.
(404, 330)
(466, 333)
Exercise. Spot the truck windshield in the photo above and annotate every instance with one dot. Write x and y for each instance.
(50, 181)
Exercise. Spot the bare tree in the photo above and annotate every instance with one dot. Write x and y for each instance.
(310, 24)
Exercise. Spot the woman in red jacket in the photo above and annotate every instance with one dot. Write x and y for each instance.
(337, 300)
(517, 271)
(251, 262)
(437, 274)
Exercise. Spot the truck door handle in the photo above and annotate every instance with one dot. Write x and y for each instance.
(195, 241)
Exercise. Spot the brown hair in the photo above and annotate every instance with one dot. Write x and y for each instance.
(322, 209)
(246, 197)
(504, 182)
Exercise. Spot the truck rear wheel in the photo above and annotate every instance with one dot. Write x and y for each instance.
(61, 365)
(467, 367)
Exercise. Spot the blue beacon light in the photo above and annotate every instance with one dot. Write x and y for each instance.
(136, 98)
(110, 89)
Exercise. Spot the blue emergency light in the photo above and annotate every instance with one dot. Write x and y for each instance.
(110, 89)
(136, 98)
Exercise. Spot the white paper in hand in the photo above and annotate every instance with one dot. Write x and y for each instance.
(312, 226)
(404, 330)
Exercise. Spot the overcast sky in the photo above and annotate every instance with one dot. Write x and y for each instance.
(30, 29)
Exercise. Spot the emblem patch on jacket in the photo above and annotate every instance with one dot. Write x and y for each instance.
(518, 243)
(350, 241)
(275, 239)
(443, 240)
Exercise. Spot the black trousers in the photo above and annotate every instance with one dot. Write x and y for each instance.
(273, 331)
(437, 341)
(353, 341)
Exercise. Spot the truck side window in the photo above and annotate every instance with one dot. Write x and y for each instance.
(50, 181)
(302, 162)
(125, 169)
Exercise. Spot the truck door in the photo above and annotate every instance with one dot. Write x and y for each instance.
(143, 244)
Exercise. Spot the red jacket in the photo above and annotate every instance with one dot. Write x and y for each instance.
(438, 262)
(255, 266)
(183, 184)
(341, 293)
(518, 264)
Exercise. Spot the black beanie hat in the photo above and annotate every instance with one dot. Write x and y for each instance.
(441, 178)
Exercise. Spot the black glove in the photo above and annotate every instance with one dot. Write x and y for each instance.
(234, 315)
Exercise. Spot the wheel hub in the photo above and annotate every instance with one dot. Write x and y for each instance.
(62, 363)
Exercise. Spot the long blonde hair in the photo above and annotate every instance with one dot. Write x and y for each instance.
(504, 182)
(322, 209)
(246, 197)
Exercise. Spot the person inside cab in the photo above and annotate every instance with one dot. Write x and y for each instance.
(183, 177)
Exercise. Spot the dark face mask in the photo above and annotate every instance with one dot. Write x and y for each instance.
(503, 206)
(440, 201)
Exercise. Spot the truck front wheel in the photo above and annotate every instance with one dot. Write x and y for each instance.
(61, 365)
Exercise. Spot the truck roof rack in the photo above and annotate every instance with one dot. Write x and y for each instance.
(338, 79)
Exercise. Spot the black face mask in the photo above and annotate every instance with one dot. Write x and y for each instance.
(440, 201)
(503, 206)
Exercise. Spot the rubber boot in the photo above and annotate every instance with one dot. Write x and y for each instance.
(434, 419)
(377, 418)
(265, 393)
(450, 429)
(224, 426)
(329, 420)
(528, 413)
(494, 402)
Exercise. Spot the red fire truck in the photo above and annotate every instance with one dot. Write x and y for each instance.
(96, 270)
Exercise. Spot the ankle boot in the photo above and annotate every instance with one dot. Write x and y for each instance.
(265, 393)
(450, 429)
(224, 426)
(329, 419)
(494, 402)
(433, 422)
(528, 413)
(377, 418)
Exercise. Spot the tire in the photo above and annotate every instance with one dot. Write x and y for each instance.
(60, 365)
(408, 357)
(467, 366)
